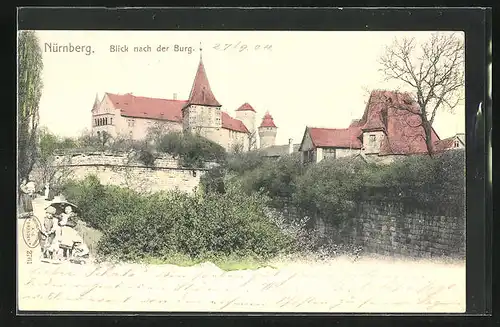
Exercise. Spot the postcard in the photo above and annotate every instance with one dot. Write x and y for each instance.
(241, 171)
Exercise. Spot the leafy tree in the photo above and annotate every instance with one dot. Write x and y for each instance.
(434, 71)
(30, 66)
(193, 150)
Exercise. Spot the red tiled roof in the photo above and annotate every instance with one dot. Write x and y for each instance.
(201, 93)
(403, 133)
(445, 144)
(333, 137)
(143, 107)
(163, 109)
(233, 124)
(267, 121)
(246, 107)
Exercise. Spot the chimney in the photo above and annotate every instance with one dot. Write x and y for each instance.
(175, 96)
(290, 146)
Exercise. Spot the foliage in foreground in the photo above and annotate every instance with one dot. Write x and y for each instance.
(165, 224)
(332, 188)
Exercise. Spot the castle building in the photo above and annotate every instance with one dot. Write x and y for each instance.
(267, 131)
(131, 116)
(390, 128)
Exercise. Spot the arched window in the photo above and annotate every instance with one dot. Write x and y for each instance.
(111, 123)
(95, 122)
(106, 121)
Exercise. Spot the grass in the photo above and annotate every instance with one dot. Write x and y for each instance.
(227, 263)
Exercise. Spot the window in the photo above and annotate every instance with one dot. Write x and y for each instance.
(457, 144)
(329, 153)
(372, 140)
(111, 121)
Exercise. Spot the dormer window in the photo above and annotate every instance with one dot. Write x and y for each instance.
(372, 140)
(456, 144)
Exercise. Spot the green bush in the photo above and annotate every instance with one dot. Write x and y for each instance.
(275, 177)
(329, 188)
(213, 180)
(191, 150)
(332, 188)
(171, 223)
(97, 203)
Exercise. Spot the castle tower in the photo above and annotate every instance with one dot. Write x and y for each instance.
(202, 112)
(95, 107)
(267, 131)
(246, 113)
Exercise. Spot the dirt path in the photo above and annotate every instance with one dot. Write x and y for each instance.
(368, 285)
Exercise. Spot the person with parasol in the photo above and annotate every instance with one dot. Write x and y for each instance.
(67, 220)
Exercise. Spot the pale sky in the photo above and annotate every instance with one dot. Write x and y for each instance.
(316, 79)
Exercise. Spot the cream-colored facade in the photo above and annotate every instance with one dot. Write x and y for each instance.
(201, 114)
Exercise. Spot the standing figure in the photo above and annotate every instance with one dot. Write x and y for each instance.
(68, 234)
(25, 198)
(31, 188)
(48, 233)
(46, 191)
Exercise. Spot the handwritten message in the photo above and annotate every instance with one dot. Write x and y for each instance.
(336, 287)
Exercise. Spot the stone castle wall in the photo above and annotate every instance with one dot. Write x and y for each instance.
(126, 171)
(393, 228)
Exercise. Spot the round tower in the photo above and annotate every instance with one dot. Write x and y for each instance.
(246, 113)
(267, 131)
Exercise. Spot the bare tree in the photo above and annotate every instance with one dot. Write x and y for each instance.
(252, 141)
(434, 71)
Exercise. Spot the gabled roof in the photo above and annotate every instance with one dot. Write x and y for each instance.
(334, 137)
(233, 124)
(394, 113)
(246, 107)
(448, 143)
(267, 121)
(144, 107)
(403, 130)
(201, 93)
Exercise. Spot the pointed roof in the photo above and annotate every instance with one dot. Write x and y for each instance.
(201, 93)
(246, 107)
(96, 102)
(403, 133)
(267, 121)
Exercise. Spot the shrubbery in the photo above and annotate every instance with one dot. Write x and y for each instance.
(332, 188)
(192, 150)
(171, 223)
